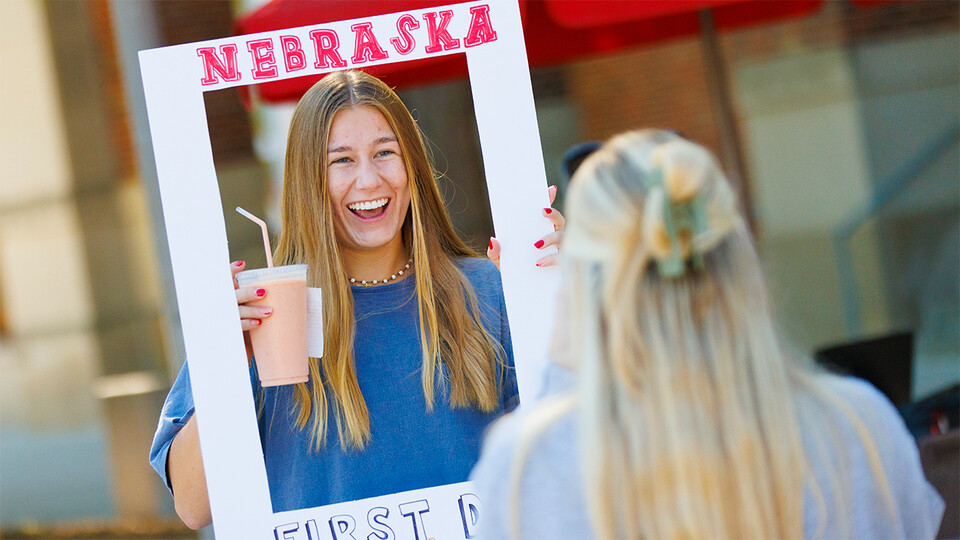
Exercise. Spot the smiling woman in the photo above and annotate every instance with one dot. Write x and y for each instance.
(414, 367)
(367, 181)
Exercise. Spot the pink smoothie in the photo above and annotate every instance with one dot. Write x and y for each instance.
(280, 342)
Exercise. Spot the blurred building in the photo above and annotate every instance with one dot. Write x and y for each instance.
(841, 127)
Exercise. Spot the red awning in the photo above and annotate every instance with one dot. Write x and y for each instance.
(556, 31)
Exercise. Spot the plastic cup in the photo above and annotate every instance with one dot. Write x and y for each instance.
(280, 342)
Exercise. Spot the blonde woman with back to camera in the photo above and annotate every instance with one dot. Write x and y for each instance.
(688, 416)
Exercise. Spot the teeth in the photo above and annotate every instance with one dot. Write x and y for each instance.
(368, 205)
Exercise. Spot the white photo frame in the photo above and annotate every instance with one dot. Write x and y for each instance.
(174, 79)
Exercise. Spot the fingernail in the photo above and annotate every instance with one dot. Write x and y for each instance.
(538, 264)
(538, 244)
(267, 311)
(548, 210)
(256, 322)
(238, 264)
(490, 245)
(261, 292)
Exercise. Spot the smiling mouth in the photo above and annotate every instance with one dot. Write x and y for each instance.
(369, 209)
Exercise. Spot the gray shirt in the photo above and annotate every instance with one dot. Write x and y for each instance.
(551, 495)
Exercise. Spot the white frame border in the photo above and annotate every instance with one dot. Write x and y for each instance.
(516, 183)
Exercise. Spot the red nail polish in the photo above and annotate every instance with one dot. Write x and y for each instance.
(538, 264)
(238, 263)
(255, 322)
(267, 311)
(261, 292)
(538, 244)
(548, 210)
(490, 245)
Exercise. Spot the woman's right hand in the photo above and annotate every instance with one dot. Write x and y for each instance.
(251, 314)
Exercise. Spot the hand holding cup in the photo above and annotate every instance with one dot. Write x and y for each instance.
(250, 316)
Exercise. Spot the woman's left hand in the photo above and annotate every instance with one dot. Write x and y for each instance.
(552, 239)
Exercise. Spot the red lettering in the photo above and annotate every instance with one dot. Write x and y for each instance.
(440, 38)
(264, 63)
(293, 57)
(213, 66)
(481, 31)
(326, 44)
(366, 47)
(404, 25)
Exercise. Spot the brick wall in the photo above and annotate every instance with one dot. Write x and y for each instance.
(186, 21)
(665, 85)
(659, 86)
(111, 79)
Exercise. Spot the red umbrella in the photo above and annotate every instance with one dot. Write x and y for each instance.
(555, 31)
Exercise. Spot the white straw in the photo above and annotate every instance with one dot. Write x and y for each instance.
(266, 237)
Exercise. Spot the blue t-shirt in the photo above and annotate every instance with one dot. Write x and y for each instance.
(410, 448)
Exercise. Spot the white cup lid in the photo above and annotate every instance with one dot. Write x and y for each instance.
(259, 275)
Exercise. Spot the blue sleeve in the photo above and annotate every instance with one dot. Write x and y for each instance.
(177, 410)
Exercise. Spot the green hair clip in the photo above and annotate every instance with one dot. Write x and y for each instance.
(690, 215)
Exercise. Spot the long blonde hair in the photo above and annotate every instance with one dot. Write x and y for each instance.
(687, 398)
(450, 325)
